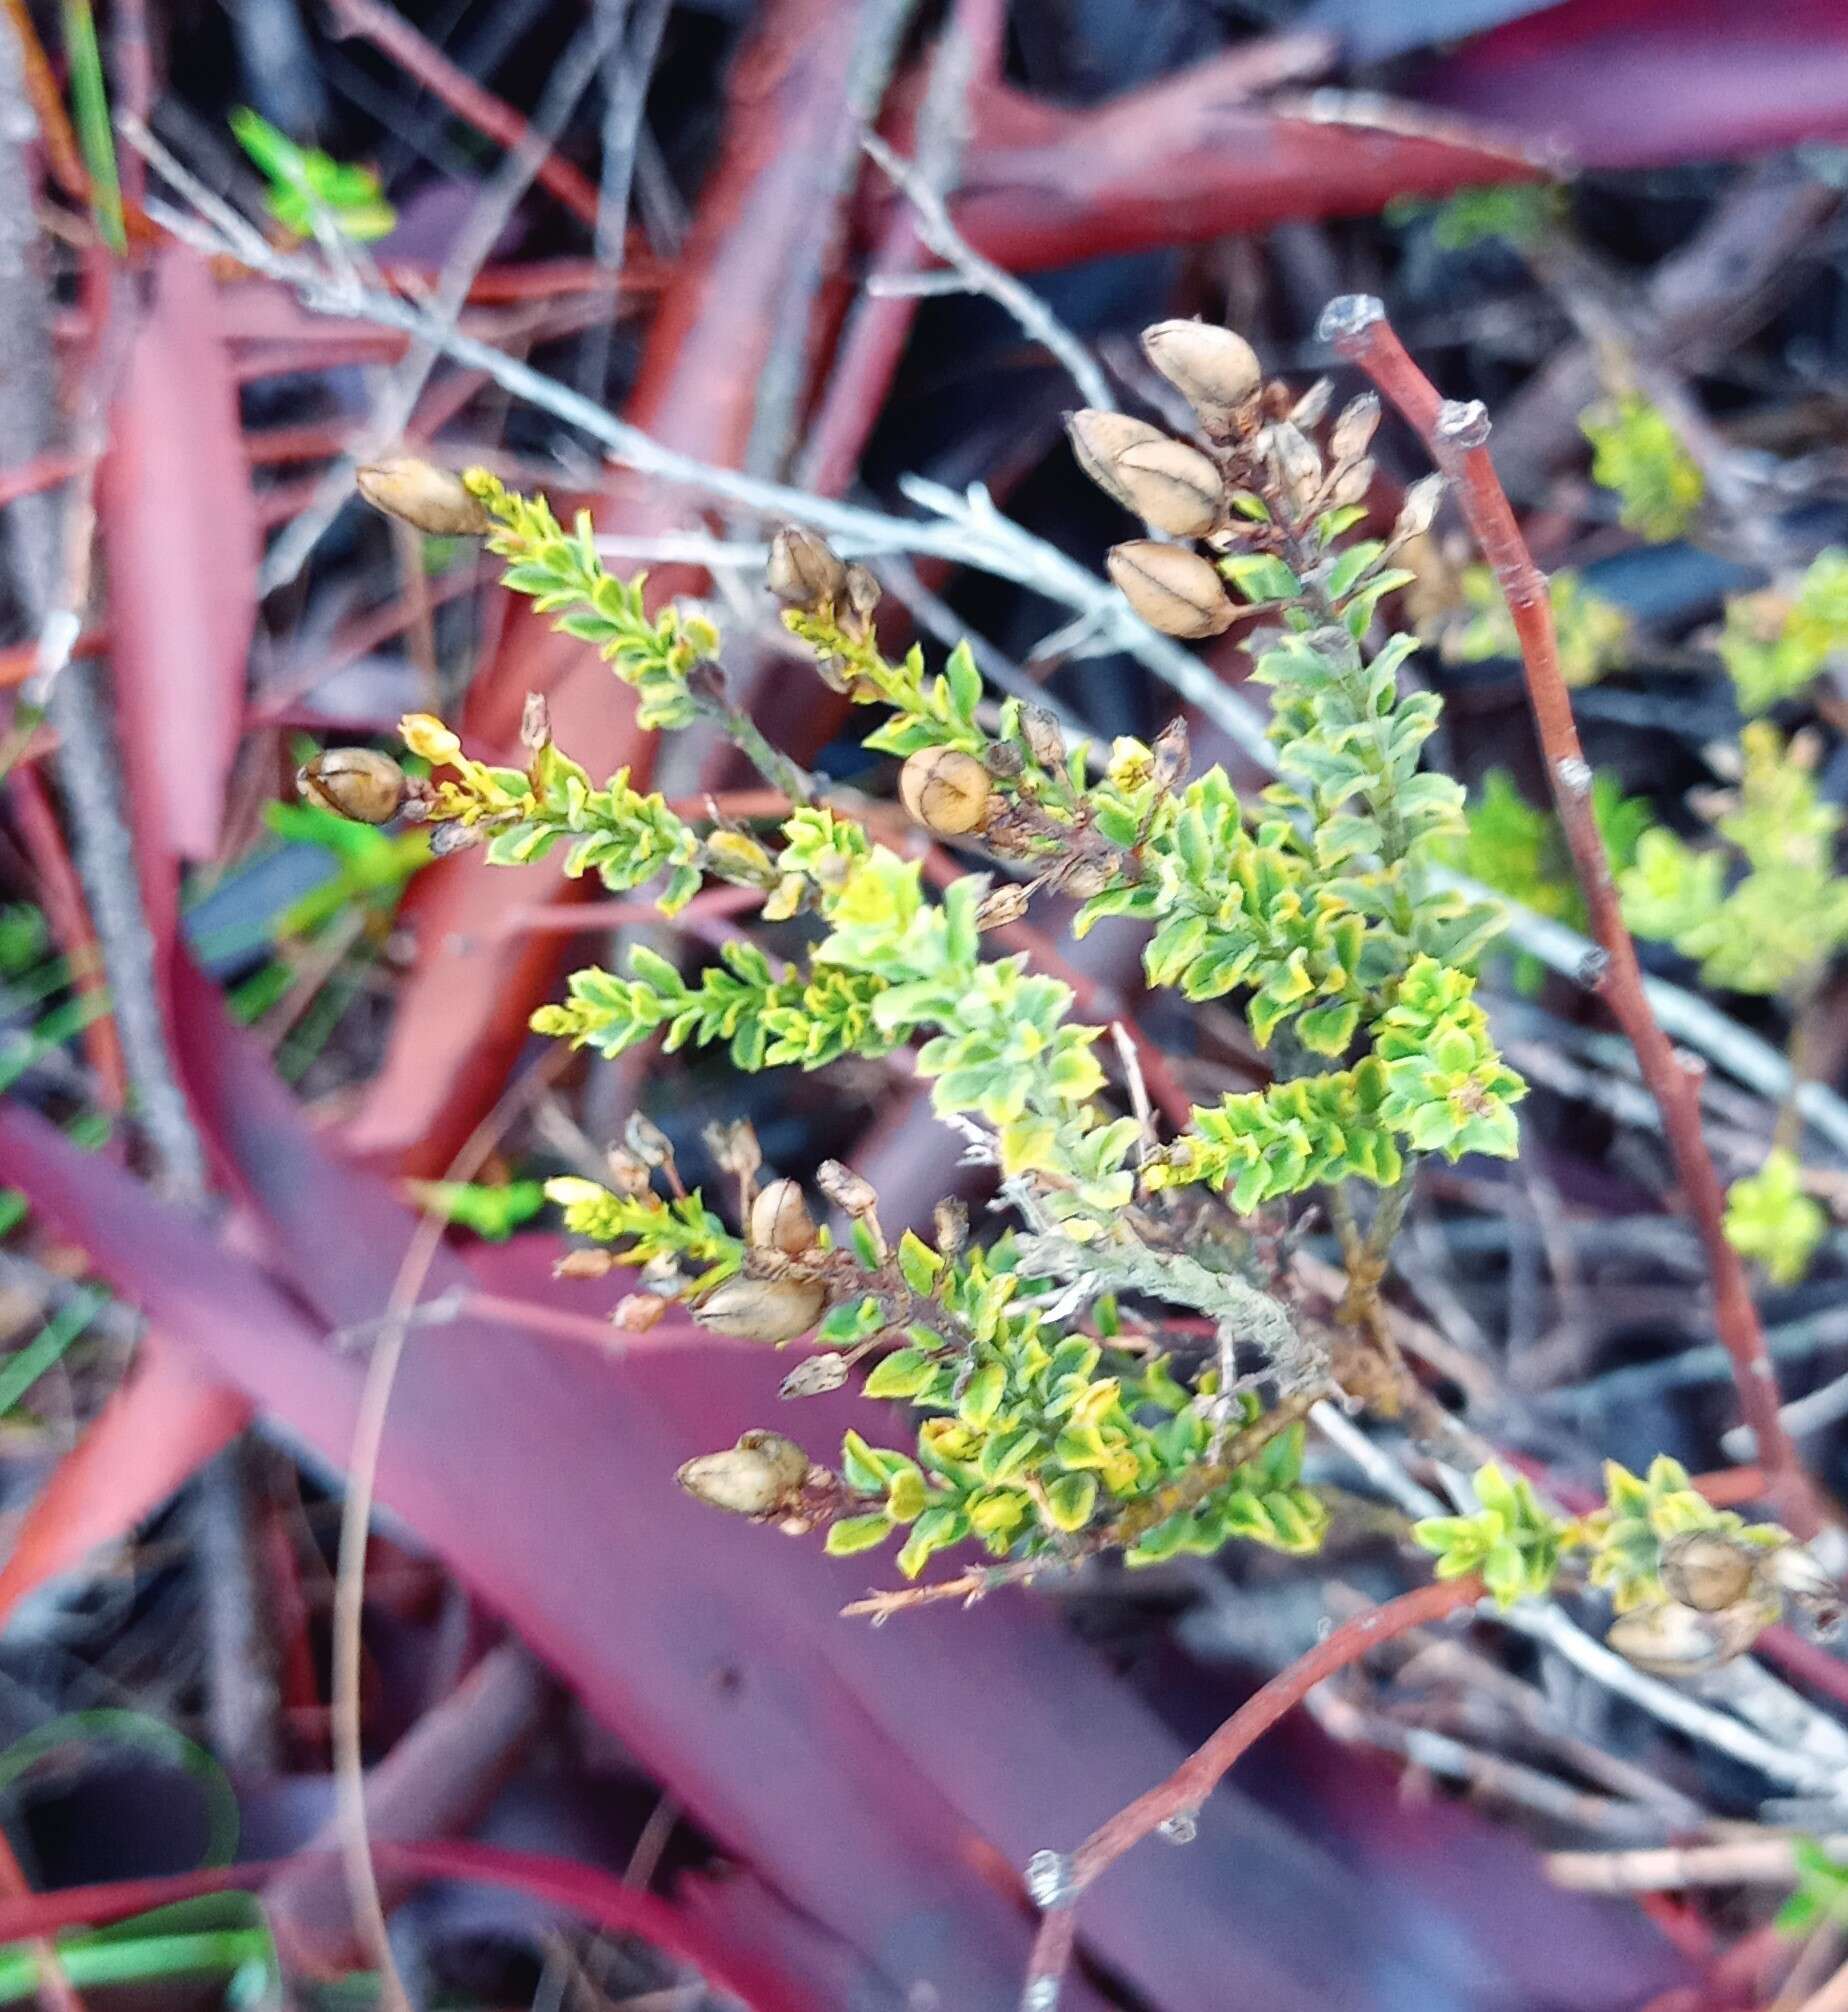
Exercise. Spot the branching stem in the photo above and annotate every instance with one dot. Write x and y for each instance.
(1456, 436)
(1188, 1787)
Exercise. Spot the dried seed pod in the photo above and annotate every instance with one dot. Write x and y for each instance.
(803, 570)
(587, 1263)
(535, 723)
(863, 591)
(1216, 371)
(646, 1140)
(1100, 439)
(428, 498)
(1419, 510)
(762, 1309)
(780, 1219)
(637, 1312)
(1813, 1591)
(1353, 483)
(1003, 759)
(449, 838)
(1352, 434)
(1172, 486)
(1670, 1640)
(1297, 465)
(1707, 1570)
(1045, 741)
(946, 791)
(950, 1222)
(629, 1173)
(1309, 408)
(847, 1190)
(1172, 589)
(815, 1377)
(760, 1476)
(734, 1147)
(356, 783)
(1173, 755)
(1002, 905)
(1080, 876)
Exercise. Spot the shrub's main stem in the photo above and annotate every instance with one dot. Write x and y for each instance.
(1200, 1773)
(1357, 328)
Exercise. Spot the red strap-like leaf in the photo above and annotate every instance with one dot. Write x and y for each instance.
(179, 532)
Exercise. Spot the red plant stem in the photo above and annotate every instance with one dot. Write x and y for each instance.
(542, 279)
(56, 1993)
(1188, 1787)
(1455, 435)
(586, 1890)
(43, 471)
(62, 159)
(61, 895)
(392, 34)
(19, 661)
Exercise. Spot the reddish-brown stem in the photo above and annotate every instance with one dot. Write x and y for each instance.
(1188, 1787)
(61, 894)
(1455, 435)
(392, 34)
(43, 471)
(56, 1993)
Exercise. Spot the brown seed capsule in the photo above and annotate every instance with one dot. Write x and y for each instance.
(950, 1222)
(450, 838)
(1707, 1570)
(1172, 589)
(803, 570)
(1099, 441)
(1352, 484)
(1002, 905)
(1216, 371)
(355, 783)
(646, 1140)
(863, 591)
(637, 1312)
(815, 1377)
(1352, 434)
(585, 1264)
(760, 1476)
(1045, 742)
(1297, 465)
(946, 791)
(1670, 1640)
(628, 1171)
(1080, 876)
(535, 723)
(762, 1309)
(1309, 407)
(1811, 1590)
(1173, 756)
(426, 497)
(780, 1220)
(734, 1147)
(1172, 486)
(847, 1190)
(1419, 510)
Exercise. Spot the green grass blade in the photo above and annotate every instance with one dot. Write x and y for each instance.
(95, 134)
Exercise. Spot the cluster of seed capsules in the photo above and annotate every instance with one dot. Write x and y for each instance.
(1258, 485)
